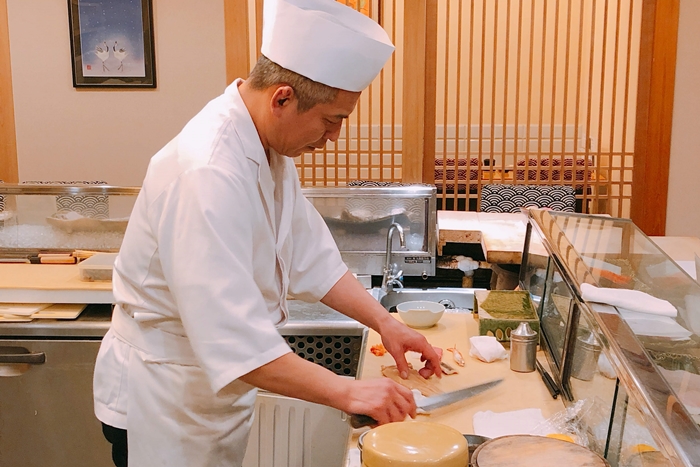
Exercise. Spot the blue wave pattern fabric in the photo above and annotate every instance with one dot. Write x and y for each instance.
(94, 206)
(510, 198)
(372, 183)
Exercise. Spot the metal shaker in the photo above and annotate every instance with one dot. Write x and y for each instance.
(523, 348)
(585, 360)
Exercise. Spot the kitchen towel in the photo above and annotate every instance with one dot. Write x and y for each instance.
(487, 348)
(633, 300)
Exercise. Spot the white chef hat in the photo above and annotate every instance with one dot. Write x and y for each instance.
(325, 41)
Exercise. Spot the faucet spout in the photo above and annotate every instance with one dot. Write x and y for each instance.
(390, 270)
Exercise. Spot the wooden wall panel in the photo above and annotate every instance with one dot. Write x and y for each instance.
(8, 138)
(430, 72)
(236, 36)
(654, 114)
(414, 103)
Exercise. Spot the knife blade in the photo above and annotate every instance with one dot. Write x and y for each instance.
(433, 402)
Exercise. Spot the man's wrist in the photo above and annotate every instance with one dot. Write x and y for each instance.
(385, 322)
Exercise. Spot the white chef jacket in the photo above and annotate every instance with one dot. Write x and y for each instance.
(216, 240)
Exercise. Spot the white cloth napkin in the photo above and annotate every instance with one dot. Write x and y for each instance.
(486, 348)
(633, 300)
(518, 422)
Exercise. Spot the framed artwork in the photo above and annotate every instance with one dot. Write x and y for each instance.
(112, 43)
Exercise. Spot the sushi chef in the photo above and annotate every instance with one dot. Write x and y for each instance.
(219, 236)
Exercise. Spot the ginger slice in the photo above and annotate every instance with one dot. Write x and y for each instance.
(414, 381)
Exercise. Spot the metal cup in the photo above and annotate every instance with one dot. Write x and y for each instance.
(523, 348)
(585, 361)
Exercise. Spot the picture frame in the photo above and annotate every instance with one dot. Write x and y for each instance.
(112, 43)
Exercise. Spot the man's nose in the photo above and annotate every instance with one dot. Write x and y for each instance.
(334, 132)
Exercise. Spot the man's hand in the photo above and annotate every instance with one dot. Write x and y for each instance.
(382, 399)
(290, 375)
(399, 339)
(350, 298)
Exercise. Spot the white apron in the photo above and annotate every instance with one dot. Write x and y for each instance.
(216, 240)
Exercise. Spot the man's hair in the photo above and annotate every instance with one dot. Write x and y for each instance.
(267, 73)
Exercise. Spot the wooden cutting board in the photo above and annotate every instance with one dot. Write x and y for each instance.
(501, 236)
(50, 283)
(517, 391)
(21, 309)
(57, 311)
(60, 311)
(534, 451)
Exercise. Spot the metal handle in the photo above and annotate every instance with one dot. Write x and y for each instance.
(21, 355)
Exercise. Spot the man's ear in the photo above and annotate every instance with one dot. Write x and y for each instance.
(282, 98)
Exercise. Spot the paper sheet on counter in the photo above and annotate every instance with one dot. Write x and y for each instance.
(517, 422)
(644, 324)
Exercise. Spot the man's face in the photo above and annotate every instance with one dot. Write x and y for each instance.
(297, 133)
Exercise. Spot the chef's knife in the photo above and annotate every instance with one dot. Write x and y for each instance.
(433, 402)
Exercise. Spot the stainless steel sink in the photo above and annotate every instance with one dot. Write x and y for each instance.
(462, 299)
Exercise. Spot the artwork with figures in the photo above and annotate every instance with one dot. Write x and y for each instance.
(112, 43)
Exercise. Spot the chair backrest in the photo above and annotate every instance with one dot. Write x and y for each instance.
(95, 206)
(510, 198)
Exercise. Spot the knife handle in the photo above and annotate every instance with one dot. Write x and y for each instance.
(358, 421)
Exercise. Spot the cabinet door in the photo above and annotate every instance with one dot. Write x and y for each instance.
(290, 432)
(46, 409)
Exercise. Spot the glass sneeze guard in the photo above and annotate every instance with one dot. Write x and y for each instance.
(655, 359)
(35, 218)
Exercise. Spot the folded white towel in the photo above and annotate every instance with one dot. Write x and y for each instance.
(634, 300)
(487, 348)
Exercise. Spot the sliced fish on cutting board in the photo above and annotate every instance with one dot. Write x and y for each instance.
(427, 387)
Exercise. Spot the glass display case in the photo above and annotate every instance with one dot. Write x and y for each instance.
(638, 372)
(35, 218)
(359, 219)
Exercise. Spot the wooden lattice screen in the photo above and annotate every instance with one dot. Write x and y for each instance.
(537, 92)
(507, 91)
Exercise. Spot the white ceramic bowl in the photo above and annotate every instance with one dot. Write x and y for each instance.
(420, 313)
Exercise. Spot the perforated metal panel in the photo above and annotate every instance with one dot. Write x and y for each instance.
(340, 354)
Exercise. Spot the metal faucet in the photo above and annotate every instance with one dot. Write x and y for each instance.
(391, 270)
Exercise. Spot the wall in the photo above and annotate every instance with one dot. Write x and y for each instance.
(69, 134)
(63, 133)
(683, 215)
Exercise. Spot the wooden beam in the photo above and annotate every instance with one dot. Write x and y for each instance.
(258, 26)
(652, 144)
(8, 137)
(414, 85)
(431, 28)
(236, 37)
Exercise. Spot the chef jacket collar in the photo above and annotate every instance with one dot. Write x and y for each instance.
(244, 126)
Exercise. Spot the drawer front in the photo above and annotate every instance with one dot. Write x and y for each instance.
(46, 409)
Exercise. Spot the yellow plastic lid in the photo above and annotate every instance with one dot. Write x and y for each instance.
(411, 444)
